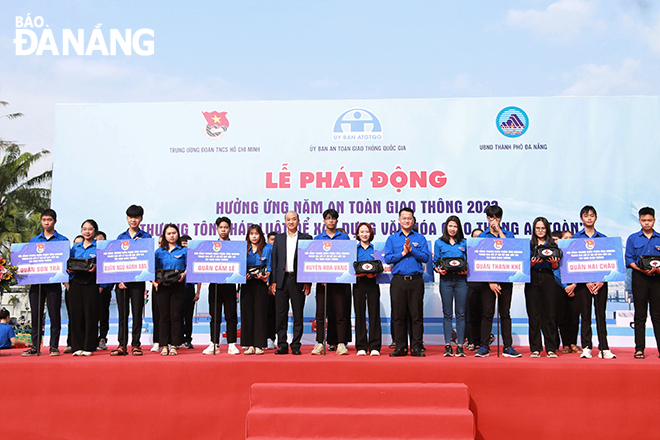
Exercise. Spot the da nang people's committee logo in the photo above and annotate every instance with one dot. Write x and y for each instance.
(357, 124)
(217, 124)
(512, 122)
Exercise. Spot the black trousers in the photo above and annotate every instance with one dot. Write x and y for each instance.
(155, 316)
(646, 293)
(41, 294)
(188, 312)
(504, 304)
(408, 297)
(366, 295)
(289, 291)
(83, 318)
(104, 312)
(133, 295)
(473, 314)
(336, 294)
(568, 316)
(223, 295)
(254, 310)
(170, 307)
(270, 318)
(541, 304)
(585, 298)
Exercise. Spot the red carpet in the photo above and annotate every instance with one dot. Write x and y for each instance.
(280, 411)
(207, 397)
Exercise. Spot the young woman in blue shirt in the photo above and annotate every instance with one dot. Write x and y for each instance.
(366, 295)
(170, 255)
(83, 295)
(453, 286)
(254, 295)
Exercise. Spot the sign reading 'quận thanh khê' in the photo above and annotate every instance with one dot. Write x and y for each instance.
(40, 263)
(505, 260)
(125, 261)
(592, 260)
(222, 262)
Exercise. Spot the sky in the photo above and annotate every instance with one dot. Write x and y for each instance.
(324, 50)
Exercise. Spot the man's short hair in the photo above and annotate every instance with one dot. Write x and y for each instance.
(222, 219)
(49, 213)
(330, 212)
(4, 313)
(271, 234)
(135, 211)
(186, 238)
(494, 211)
(585, 210)
(406, 209)
(647, 210)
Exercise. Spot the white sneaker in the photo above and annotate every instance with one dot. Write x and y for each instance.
(341, 349)
(586, 353)
(375, 353)
(233, 349)
(362, 353)
(318, 349)
(606, 354)
(86, 353)
(211, 349)
(271, 344)
(78, 353)
(155, 348)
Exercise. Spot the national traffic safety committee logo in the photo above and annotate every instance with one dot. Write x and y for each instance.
(357, 124)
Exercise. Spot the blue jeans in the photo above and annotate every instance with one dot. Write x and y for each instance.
(453, 289)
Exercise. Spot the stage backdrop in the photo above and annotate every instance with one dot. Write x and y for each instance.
(189, 163)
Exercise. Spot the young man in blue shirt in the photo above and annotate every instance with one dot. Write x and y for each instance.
(496, 291)
(645, 283)
(50, 293)
(585, 292)
(338, 297)
(7, 335)
(406, 250)
(132, 293)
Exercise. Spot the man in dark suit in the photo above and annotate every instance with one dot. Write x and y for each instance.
(285, 285)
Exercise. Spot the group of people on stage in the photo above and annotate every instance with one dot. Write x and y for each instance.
(554, 309)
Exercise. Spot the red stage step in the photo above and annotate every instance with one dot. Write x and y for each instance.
(359, 410)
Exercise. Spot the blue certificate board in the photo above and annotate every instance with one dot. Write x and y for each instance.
(221, 262)
(326, 261)
(40, 263)
(386, 276)
(592, 260)
(125, 261)
(498, 260)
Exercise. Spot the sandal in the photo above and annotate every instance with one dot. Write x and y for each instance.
(639, 355)
(164, 351)
(566, 349)
(575, 349)
(120, 351)
(249, 351)
(258, 350)
(535, 354)
(552, 354)
(173, 350)
(136, 351)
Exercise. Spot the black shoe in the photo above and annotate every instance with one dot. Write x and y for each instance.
(448, 351)
(332, 348)
(459, 351)
(393, 345)
(296, 351)
(54, 351)
(30, 352)
(399, 352)
(282, 350)
(417, 352)
(189, 345)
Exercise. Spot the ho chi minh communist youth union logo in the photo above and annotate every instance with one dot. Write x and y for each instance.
(41, 248)
(125, 244)
(217, 246)
(589, 244)
(357, 124)
(217, 124)
(327, 246)
(498, 244)
(512, 122)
